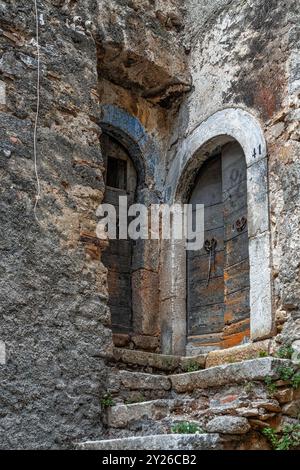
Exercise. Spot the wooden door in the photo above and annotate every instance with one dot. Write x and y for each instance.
(120, 181)
(236, 262)
(218, 274)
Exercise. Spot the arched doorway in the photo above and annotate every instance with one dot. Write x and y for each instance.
(135, 323)
(120, 180)
(221, 128)
(218, 310)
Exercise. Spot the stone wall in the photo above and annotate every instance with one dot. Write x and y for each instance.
(244, 54)
(54, 318)
(54, 315)
(137, 55)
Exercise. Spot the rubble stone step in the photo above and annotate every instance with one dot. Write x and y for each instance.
(158, 442)
(122, 416)
(239, 372)
(158, 362)
(160, 386)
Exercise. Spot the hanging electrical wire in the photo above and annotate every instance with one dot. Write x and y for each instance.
(35, 153)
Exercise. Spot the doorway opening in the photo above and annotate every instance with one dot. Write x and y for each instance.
(218, 306)
(120, 180)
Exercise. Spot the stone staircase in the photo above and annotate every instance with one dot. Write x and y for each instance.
(228, 404)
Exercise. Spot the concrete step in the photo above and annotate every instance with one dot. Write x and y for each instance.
(136, 386)
(149, 362)
(158, 442)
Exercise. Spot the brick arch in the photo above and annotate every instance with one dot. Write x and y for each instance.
(227, 125)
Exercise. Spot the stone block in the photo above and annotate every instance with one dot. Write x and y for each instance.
(247, 412)
(120, 416)
(140, 381)
(237, 353)
(284, 396)
(121, 340)
(252, 370)
(173, 326)
(2, 93)
(269, 405)
(228, 425)
(157, 442)
(173, 269)
(262, 322)
(147, 343)
(145, 302)
(257, 195)
(292, 409)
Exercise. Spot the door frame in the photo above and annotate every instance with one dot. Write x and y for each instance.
(222, 127)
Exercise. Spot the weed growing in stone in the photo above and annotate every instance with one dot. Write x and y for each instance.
(107, 401)
(248, 387)
(192, 367)
(271, 386)
(284, 352)
(286, 439)
(285, 373)
(262, 354)
(296, 380)
(186, 428)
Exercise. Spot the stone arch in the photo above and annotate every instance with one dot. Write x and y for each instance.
(220, 128)
(127, 131)
(130, 133)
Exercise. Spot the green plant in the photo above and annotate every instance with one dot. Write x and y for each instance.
(286, 439)
(271, 386)
(248, 387)
(192, 366)
(107, 400)
(271, 435)
(285, 352)
(186, 428)
(285, 373)
(262, 354)
(296, 380)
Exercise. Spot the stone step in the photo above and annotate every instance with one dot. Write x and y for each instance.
(149, 362)
(127, 385)
(125, 416)
(158, 442)
(233, 407)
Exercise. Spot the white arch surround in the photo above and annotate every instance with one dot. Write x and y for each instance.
(223, 126)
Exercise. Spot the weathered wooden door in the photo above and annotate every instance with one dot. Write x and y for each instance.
(218, 274)
(120, 181)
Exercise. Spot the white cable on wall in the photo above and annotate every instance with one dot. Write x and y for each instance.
(35, 153)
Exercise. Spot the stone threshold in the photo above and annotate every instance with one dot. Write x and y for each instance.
(169, 363)
(240, 372)
(161, 362)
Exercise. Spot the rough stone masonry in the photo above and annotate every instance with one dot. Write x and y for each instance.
(153, 70)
